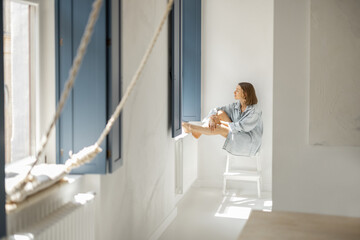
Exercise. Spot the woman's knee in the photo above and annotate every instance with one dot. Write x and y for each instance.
(223, 116)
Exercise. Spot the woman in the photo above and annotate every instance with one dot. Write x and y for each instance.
(240, 123)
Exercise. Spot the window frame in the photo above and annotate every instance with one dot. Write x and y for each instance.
(2, 132)
(114, 90)
(176, 68)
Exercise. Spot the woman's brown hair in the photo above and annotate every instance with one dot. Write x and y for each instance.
(249, 92)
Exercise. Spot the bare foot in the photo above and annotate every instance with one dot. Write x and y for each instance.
(196, 135)
(186, 127)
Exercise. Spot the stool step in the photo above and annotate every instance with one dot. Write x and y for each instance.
(244, 176)
(241, 173)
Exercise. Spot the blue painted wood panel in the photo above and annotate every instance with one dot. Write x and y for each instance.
(114, 87)
(89, 105)
(176, 68)
(65, 57)
(2, 132)
(191, 60)
(85, 115)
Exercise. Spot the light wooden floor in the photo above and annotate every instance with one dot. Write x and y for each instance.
(297, 226)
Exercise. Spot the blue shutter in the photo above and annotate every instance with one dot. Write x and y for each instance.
(176, 68)
(64, 59)
(191, 60)
(84, 116)
(2, 132)
(114, 89)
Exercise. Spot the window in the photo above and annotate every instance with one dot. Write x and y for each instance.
(96, 91)
(107, 38)
(20, 79)
(186, 63)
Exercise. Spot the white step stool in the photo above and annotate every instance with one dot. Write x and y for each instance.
(243, 175)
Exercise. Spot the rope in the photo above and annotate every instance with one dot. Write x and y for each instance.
(68, 86)
(88, 153)
(82, 157)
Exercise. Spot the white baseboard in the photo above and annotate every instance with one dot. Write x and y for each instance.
(161, 229)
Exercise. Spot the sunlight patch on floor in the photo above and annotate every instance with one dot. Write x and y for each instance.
(234, 212)
(233, 206)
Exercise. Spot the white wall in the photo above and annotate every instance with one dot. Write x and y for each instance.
(305, 178)
(141, 194)
(334, 80)
(189, 162)
(237, 42)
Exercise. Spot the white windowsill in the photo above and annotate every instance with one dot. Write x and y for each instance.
(65, 189)
(182, 135)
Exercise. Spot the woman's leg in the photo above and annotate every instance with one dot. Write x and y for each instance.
(198, 130)
(221, 116)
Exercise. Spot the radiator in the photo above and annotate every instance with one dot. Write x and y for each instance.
(74, 220)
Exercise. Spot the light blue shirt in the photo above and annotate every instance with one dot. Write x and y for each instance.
(246, 129)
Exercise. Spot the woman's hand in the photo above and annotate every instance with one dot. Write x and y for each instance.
(212, 125)
(213, 121)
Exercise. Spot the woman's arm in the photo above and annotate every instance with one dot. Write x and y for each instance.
(219, 114)
(228, 109)
(223, 123)
(246, 124)
(220, 118)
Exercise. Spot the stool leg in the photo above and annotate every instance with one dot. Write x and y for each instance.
(226, 171)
